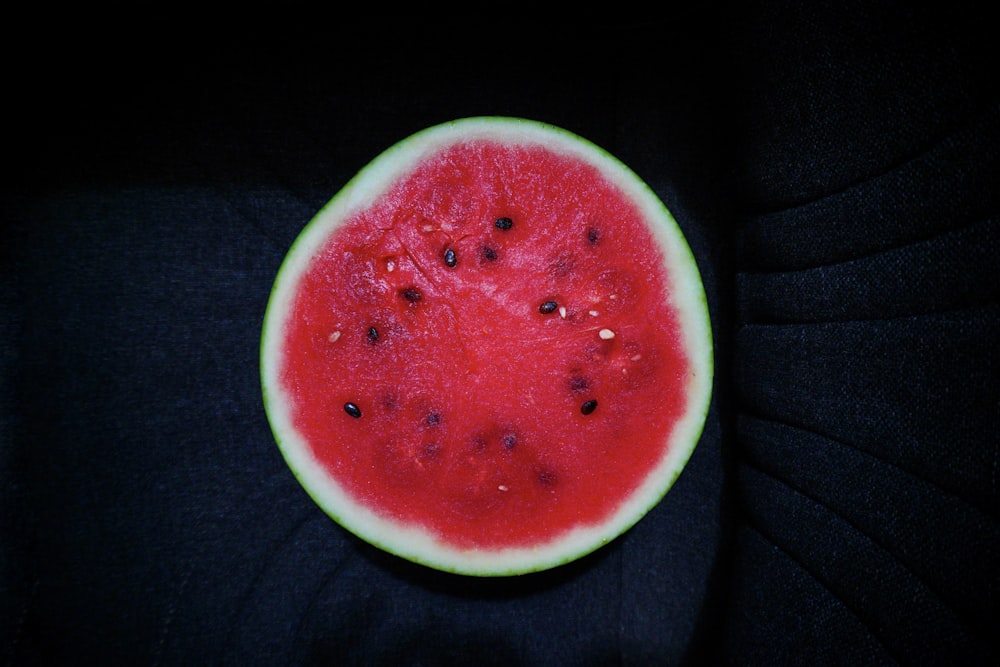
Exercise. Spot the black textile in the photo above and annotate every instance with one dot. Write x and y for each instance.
(835, 169)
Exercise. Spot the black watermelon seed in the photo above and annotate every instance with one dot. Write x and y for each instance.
(548, 307)
(510, 440)
(372, 335)
(353, 410)
(432, 419)
(593, 235)
(503, 223)
(411, 294)
(488, 254)
(450, 260)
(588, 406)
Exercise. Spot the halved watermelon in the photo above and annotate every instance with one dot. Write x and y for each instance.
(490, 353)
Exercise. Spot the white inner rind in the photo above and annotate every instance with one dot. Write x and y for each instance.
(413, 543)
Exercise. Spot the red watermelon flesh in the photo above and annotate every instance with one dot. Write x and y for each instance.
(488, 352)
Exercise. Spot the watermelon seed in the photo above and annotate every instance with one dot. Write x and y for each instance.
(488, 254)
(593, 313)
(450, 260)
(606, 334)
(547, 307)
(502, 487)
(411, 294)
(372, 335)
(334, 337)
(593, 235)
(510, 440)
(588, 406)
(562, 312)
(353, 410)
(503, 224)
(432, 419)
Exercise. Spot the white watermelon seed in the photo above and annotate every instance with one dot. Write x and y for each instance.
(334, 337)
(606, 334)
(562, 312)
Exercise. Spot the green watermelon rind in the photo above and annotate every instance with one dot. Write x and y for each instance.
(414, 544)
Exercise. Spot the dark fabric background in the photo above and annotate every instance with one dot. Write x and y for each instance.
(836, 172)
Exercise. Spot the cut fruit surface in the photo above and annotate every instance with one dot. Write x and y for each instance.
(490, 353)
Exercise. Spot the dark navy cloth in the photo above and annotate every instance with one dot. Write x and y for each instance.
(835, 169)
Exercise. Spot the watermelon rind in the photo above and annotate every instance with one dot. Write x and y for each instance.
(416, 544)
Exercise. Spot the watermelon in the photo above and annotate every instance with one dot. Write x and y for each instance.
(489, 353)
